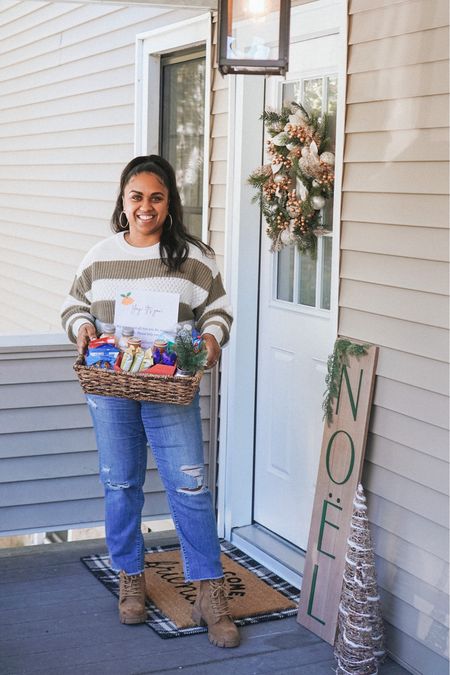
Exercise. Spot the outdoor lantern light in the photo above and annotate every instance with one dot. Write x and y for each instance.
(254, 37)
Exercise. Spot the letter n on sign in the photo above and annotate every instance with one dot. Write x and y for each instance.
(340, 467)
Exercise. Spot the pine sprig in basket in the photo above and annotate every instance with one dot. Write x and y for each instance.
(190, 358)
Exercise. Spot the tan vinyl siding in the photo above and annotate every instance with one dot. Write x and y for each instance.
(394, 292)
(403, 145)
(67, 75)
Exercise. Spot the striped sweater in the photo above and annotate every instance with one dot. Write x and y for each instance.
(113, 264)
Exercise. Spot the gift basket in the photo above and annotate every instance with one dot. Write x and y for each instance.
(166, 373)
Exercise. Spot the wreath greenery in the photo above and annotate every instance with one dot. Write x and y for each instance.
(292, 189)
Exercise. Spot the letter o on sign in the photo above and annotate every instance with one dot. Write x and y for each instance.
(351, 462)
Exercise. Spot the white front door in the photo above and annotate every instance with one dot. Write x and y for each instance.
(297, 325)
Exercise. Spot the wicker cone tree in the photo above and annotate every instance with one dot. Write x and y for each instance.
(359, 644)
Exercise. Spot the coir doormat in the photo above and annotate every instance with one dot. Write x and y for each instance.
(255, 593)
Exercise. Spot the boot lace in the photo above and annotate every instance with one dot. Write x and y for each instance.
(132, 585)
(218, 598)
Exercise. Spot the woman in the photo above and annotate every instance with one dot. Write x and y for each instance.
(152, 250)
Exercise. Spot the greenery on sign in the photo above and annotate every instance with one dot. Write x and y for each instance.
(343, 349)
(191, 356)
(293, 188)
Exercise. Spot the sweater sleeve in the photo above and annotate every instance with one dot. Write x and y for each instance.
(214, 315)
(76, 307)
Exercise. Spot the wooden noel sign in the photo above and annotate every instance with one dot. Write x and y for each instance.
(340, 467)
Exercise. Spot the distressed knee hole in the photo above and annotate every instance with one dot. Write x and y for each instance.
(197, 473)
(117, 486)
(112, 485)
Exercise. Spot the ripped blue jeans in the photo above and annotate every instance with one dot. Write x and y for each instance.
(123, 428)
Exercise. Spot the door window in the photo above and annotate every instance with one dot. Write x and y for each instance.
(182, 123)
(300, 278)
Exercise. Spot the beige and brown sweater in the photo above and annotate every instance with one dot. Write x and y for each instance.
(113, 263)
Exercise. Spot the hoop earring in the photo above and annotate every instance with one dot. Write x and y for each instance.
(124, 227)
(169, 215)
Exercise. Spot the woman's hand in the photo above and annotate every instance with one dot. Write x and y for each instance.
(86, 333)
(212, 348)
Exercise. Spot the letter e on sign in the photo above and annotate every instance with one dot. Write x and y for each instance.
(340, 466)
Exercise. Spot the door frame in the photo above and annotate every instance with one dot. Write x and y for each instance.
(243, 241)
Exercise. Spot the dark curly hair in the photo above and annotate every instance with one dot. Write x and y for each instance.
(175, 239)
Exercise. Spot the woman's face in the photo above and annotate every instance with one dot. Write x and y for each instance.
(146, 205)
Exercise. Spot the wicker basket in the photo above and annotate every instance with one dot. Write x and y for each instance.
(156, 388)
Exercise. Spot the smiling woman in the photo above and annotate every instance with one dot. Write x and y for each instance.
(153, 252)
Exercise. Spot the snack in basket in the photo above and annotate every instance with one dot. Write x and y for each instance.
(160, 346)
(129, 355)
(160, 369)
(137, 361)
(103, 355)
(98, 342)
(147, 361)
(166, 358)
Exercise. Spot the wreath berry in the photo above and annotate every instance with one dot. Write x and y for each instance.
(293, 188)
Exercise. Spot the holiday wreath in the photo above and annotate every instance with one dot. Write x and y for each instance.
(292, 189)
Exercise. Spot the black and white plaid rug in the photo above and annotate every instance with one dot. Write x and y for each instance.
(161, 624)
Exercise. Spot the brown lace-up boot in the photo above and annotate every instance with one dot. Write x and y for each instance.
(211, 609)
(132, 598)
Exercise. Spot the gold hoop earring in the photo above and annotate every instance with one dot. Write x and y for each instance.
(121, 224)
(169, 215)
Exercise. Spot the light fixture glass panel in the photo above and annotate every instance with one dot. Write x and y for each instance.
(285, 275)
(307, 280)
(253, 29)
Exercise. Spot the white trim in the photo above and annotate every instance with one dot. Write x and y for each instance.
(339, 165)
(242, 232)
(150, 45)
(18, 345)
(297, 308)
(264, 557)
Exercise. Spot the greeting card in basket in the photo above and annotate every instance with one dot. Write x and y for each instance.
(150, 313)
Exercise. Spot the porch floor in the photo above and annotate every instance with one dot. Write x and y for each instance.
(56, 618)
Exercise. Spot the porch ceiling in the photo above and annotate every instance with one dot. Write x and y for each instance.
(185, 4)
